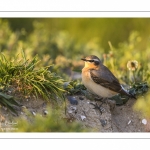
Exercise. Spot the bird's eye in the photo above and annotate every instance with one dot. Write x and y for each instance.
(96, 63)
(91, 60)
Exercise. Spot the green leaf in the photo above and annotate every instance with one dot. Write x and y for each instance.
(9, 102)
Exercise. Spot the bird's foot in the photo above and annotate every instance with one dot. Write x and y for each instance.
(101, 99)
(99, 107)
(110, 102)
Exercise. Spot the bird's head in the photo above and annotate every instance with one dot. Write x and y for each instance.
(91, 61)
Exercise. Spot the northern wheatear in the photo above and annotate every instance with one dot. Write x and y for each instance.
(98, 79)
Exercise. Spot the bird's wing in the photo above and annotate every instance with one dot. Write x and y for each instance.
(106, 79)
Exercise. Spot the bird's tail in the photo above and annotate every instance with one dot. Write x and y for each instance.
(124, 92)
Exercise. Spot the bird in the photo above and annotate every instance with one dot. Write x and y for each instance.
(99, 80)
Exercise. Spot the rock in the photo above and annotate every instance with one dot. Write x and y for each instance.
(81, 98)
(129, 122)
(72, 100)
(45, 112)
(82, 117)
(33, 113)
(144, 121)
(103, 122)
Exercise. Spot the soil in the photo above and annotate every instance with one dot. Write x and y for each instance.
(119, 119)
(106, 118)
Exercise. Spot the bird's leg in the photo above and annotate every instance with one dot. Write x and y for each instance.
(101, 99)
(100, 108)
(110, 102)
(98, 98)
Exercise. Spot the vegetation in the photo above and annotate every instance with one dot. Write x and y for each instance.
(40, 57)
(52, 122)
(25, 77)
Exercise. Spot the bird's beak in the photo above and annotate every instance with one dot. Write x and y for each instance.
(83, 59)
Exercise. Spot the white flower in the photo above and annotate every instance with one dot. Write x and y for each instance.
(132, 65)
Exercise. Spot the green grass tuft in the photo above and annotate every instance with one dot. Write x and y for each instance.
(27, 78)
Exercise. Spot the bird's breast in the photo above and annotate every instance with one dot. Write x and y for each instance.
(94, 87)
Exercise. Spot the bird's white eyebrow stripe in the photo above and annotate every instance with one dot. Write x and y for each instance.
(90, 60)
(95, 59)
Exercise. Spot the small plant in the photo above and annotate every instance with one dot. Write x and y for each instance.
(132, 67)
(137, 89)
(74, 87)
(9, 102)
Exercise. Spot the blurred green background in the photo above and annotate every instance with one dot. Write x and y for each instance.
(115, 30)
(63, 41)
